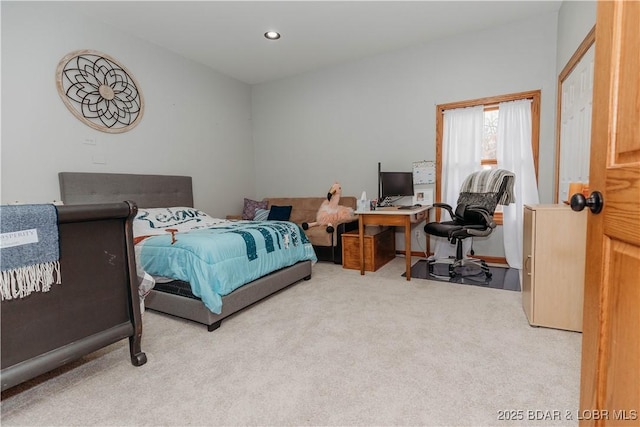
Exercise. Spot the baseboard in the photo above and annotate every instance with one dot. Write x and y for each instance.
(492, 259)
(413, 253)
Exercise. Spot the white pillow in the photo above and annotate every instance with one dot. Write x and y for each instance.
(154, 221)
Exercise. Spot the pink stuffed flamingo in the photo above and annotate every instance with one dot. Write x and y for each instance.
(330, 212)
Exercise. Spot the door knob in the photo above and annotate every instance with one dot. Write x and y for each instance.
(594, 202)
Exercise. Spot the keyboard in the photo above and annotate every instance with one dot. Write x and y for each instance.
(408, 207)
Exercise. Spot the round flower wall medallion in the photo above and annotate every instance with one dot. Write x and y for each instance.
(100, 92)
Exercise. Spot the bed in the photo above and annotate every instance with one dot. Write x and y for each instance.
(159, 191)
(95, 304)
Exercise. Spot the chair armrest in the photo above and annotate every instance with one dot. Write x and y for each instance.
(445, 206)
(485, 215)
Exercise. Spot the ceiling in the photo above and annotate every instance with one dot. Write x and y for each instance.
(227, 36)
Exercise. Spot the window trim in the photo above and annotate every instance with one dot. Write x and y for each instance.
(534, 95)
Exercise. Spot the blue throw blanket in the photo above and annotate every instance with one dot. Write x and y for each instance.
(220, 259)
(29, 250)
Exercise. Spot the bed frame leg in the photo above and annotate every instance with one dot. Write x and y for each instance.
(138, 357)
(307, 278)
(214, 326)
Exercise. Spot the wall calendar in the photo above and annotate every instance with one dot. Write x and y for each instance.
(424, 172)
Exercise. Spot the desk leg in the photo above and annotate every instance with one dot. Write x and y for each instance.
(361, 230)
(407, 245)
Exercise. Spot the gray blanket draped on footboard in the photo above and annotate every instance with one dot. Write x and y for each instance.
(96, 303)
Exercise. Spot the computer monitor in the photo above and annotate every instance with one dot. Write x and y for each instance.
(396, 184)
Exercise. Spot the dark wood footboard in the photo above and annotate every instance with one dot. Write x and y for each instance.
(96, 304)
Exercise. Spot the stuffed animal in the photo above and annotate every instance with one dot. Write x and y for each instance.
(330, 212)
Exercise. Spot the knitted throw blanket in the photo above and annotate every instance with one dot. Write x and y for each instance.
(489, 181)
(29, 250)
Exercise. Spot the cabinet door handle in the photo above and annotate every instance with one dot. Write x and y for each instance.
(527, 263)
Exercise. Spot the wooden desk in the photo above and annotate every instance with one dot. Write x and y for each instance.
(394, 217)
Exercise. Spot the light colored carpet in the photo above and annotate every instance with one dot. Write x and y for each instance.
(339, 349)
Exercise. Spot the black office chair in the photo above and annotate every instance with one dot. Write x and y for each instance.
(479, 195)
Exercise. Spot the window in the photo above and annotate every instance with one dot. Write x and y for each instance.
(489, 142)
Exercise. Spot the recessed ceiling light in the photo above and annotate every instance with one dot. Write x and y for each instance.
(272, 35)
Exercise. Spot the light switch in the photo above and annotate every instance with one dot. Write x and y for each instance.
(98, 154)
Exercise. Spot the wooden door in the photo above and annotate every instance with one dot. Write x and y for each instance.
(610, 377)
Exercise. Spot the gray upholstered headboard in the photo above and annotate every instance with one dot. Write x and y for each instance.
(147, 191)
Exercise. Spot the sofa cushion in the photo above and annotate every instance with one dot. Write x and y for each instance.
(304, 209)
(318, 236)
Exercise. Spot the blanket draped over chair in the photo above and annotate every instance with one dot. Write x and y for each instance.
(489, 181)
(29, 250)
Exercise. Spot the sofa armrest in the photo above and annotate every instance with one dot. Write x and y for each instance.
(328, 246)
(343, 227)
(337, 244)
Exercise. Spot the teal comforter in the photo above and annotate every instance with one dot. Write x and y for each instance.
(219, 259)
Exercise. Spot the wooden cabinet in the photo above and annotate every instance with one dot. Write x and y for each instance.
(554, 245)
(379, 248)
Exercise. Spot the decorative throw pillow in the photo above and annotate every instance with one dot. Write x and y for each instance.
(250, 206)
(279, 213)
(261, 215)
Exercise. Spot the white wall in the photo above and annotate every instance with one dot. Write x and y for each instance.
(197, 122)
(575, 20)
(339, 122)
(309, 130)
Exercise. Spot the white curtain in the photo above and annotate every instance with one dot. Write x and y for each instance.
(514, 153)
(461, 155)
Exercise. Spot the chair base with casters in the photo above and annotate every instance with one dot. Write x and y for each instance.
(452, 267)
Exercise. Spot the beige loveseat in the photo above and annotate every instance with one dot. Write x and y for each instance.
(328, 246)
